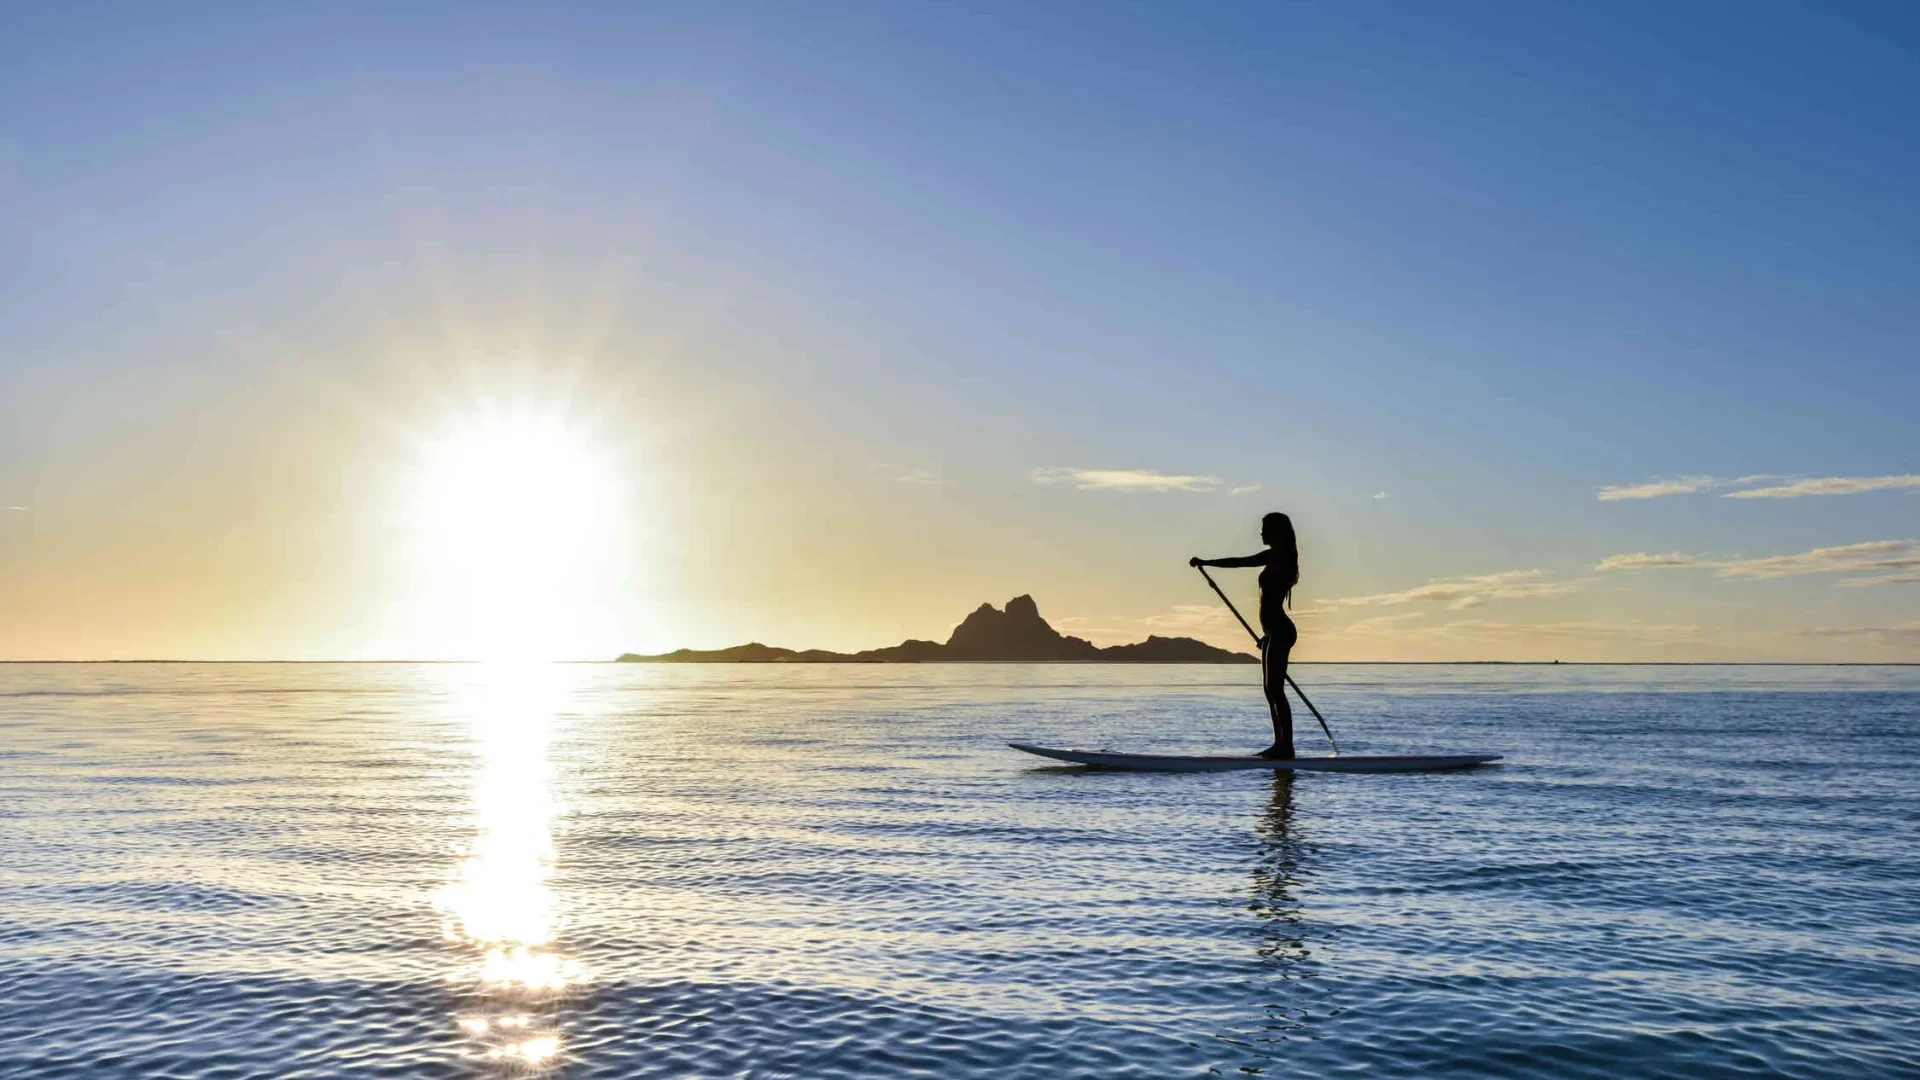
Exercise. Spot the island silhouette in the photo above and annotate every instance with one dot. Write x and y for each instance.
(1018, 633)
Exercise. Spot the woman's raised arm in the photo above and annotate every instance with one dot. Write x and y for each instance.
(1256, 559)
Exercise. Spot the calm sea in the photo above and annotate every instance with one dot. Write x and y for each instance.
(841, 871)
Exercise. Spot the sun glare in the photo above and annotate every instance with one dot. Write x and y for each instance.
(514, 528)
(500, 902)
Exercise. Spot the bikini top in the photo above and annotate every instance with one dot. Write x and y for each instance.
(1270, 577)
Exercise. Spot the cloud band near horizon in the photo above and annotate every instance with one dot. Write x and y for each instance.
(1793, 489)
(1884, 562)
(1461, 593)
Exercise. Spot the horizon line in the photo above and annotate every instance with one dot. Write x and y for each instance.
(1090, 663)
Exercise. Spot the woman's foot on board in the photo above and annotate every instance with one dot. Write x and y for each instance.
(1276, 752)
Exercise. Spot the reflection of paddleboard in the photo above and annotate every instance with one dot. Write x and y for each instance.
(1101, 759)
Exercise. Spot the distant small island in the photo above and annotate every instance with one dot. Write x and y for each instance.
(1018, 633)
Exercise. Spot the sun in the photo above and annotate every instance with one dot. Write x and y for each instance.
(514, 524)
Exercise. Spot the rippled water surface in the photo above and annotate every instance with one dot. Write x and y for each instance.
(841, 871)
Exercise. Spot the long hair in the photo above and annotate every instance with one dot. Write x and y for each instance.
(1288, 546)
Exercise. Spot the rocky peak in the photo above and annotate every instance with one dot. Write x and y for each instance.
(1018, 633)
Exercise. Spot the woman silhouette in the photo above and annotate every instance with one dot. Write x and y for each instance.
(1279, 573)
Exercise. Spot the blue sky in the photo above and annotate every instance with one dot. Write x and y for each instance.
(795, 261)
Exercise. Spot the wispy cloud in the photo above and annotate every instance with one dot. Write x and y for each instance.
(1461, 593)
(908, 474)
(1378, 495)
(1792, 489)
(1847, 558)
(1244, 489)
(1829, 485)
(1655, 489)
(1906, 633)
(1911, 577)
(1641, 560)
(21, 509)
(1886, 562)
(1125, 480)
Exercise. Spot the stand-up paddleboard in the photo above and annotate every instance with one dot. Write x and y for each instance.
(1102, 759)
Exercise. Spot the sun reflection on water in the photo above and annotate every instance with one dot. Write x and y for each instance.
(498, 902)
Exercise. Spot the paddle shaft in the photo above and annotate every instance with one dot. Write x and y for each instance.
(1256, 640)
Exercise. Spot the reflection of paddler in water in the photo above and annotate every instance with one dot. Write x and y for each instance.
(1277, 873)
(1274, 900)
(1279, 573)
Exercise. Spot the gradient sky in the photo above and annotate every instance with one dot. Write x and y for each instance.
(1563, 332)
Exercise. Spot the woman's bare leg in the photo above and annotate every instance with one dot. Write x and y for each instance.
(1273, 680)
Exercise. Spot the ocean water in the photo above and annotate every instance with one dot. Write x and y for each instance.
(841, 871)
